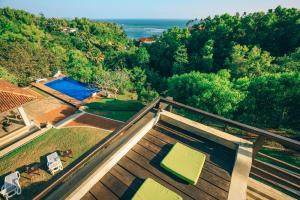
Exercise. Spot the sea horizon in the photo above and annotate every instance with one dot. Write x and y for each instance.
(137, 28)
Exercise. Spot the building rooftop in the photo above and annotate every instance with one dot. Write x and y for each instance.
(12, 96)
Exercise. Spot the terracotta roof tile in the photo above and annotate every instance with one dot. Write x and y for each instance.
(12, 96)
(5, 86)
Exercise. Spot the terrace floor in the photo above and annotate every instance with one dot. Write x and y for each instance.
(48, 109)
(143, 161)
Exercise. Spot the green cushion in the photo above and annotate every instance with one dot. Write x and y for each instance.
(151, 190)
(184, 162)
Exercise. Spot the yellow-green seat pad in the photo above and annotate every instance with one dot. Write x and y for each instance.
(151, 190)
(184, 162)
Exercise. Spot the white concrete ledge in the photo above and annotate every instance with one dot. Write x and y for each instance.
(23, 141)
(113, 159)
(202, 130)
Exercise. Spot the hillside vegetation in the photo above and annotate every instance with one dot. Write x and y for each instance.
(244, 66)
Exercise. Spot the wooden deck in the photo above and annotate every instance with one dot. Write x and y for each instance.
(143, 160)
(58, 94)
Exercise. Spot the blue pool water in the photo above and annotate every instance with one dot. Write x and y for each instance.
(72, 88)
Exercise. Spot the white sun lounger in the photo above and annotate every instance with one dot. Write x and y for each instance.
(53, 162)
(11, 185)
(40, 80)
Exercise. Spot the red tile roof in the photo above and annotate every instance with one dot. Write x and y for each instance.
(12, 96)
(146, 40)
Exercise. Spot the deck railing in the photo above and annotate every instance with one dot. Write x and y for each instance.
(279, 174)
(275, 172)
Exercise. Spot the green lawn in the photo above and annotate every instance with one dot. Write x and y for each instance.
(116, 109)
(78, 139)
(39, 91)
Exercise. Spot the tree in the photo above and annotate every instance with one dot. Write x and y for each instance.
(273, 100)
(141, 57)
(26, 61)
(289, 63)
(162, 51)
(203, 60)
(147, 95)
(249, 62)
(138, 78)
(181, 61)
(120, 81)
(211, 92)
(115, 81)
(79, 67)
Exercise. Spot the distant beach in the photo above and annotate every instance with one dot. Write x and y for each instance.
(137, 28)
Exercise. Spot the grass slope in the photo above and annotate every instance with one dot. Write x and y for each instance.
(78, 139)
(116, 109)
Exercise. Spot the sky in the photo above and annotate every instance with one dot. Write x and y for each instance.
(146, 9)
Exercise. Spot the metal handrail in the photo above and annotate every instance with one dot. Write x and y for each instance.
(293, 144)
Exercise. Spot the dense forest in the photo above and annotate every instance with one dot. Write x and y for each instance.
(245, 67)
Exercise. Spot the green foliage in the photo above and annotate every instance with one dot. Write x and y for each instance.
(180, 60)
(211, 92)
(26, 61)
(147, 95)
(141, 57)
(4, 74)
(273, 100)
(116, 81)
(34, 46)
(138, 78)
(289, 63)
(203, 60)
(249, 62)
(163, 50)
(259, 51)
(79, 67)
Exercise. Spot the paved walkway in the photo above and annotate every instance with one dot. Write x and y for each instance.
(94, 121)
(57, 114)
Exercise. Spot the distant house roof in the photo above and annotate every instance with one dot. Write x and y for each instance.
(12, 96)
(146, 40)
(68, 29)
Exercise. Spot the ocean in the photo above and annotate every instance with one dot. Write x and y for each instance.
(137, 28)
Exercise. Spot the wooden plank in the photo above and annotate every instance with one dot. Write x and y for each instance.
(260, 140)
(225, 159)
(117, 186)
(206, 174)
(126, 177)
(143, 174)
(202, 185)
(208, 165)
(275, 178)
(88, 196)
(275, 160)
(280, 172)
(275, 183)
(256, 188)
(195, 141)
(102, 193)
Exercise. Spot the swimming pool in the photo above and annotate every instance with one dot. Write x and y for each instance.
(72, 88)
